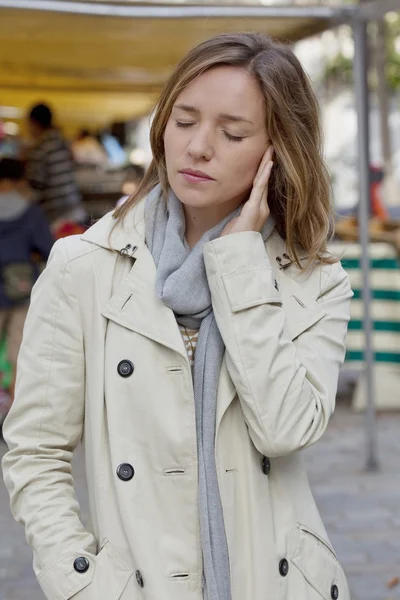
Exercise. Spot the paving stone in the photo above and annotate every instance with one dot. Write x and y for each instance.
(360, 510)
(352, 559)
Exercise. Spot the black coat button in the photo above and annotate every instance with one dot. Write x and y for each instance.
(81, 564)
(125, 368)
(334, 592)
(125, 471)
(139, 579)
(265, 465)
(283, 567)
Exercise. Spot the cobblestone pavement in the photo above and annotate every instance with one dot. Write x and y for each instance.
(361, 511)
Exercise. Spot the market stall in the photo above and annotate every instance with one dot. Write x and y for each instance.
(98, 62)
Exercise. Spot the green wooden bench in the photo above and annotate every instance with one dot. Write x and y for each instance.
(385, 310)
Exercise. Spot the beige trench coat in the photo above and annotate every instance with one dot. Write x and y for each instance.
(103, 358)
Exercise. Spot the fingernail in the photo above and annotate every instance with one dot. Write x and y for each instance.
(270, 165)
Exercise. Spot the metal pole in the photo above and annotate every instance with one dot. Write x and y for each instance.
(333, 15)
(362, 104)
(383, 94)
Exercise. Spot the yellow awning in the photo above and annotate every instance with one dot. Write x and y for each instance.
(93, 69)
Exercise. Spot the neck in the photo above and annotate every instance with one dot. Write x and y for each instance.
(200, 220)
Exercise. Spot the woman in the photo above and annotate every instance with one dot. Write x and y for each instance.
(197, 487)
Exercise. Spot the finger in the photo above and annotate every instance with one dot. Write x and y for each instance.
(260, 188)
(266, 158)
(228, 228)
(268, 155)
(264, 197)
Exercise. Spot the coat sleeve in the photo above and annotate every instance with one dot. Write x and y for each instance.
(286, 388)
(45, 425)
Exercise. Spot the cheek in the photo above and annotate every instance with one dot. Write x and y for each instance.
(173, 144)
(245, 166)
(168, 144)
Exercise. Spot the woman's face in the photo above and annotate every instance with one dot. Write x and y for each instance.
(215, 138)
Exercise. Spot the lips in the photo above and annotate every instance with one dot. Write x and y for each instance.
(194, 175)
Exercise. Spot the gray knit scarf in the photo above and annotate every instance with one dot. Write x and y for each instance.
(181, 283)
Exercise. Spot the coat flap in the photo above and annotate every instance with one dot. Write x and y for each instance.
(300, 315)
(299, 301)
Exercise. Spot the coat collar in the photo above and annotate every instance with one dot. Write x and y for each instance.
(301, 311)
(112, 234)
(134, 303)
(116, 235)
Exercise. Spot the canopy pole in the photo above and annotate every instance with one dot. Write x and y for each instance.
(334, 15)
(363, 138)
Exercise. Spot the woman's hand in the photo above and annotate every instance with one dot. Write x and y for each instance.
(255, 211)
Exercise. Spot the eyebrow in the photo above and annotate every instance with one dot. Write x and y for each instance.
(222, 116)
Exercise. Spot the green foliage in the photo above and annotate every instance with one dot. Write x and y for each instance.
(340, 68)
(393, 56)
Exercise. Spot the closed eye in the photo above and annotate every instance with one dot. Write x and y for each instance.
(233, 138)
(229, 136)
(184, 123)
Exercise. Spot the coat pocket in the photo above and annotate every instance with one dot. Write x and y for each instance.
(110, 577)
(317, 562)
(107, 576)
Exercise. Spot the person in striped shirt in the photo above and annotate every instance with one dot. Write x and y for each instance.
(50, 169)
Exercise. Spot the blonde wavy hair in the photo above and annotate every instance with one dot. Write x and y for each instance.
(299, 188)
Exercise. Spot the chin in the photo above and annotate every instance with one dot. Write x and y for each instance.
(192, 197)
(197, 202)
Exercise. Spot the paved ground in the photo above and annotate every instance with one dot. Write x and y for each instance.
(361, 511)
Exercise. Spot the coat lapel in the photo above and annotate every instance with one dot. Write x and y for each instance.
(136, 306)
(134, 303)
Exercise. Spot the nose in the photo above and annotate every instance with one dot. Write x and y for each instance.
(200, 144)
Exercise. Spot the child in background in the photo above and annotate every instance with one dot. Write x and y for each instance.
(24, 232)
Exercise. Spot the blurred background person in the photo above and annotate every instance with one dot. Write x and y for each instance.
(115, 152)
(133, 177)
(50, 169)
(87, 150)
(24, 236)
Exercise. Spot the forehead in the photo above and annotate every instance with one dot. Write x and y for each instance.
(225, 89)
